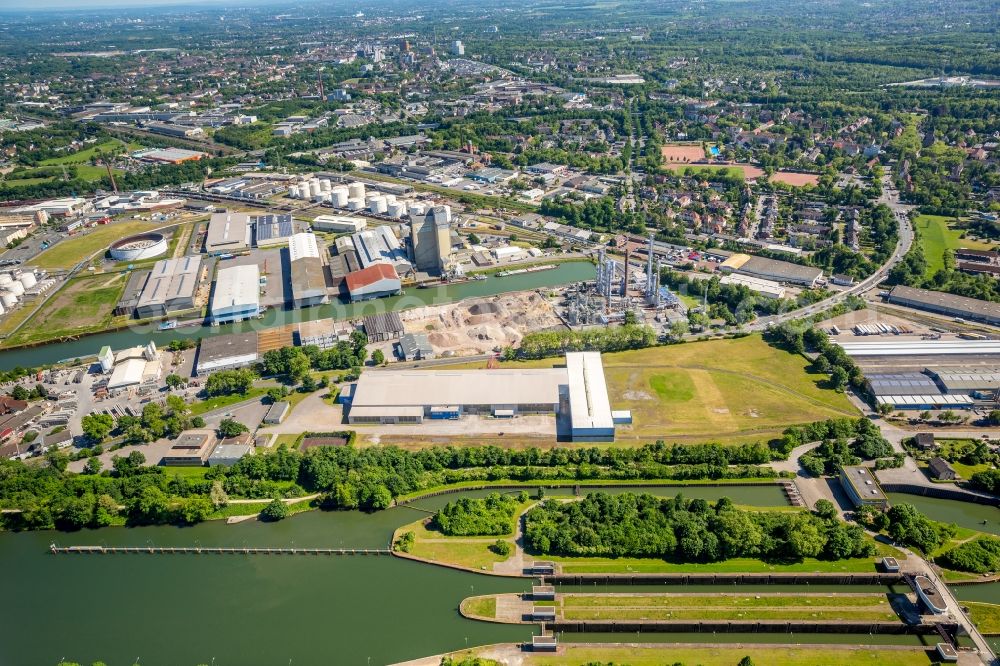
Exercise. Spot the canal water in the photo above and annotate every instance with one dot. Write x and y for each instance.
(565, 273)
(980, 517)
(182, 610)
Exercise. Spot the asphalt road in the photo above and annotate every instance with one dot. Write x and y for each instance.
(890, 198)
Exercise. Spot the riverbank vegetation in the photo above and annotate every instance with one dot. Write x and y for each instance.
(682, 530)
(346, 477)
(980, 556)
(492, 515)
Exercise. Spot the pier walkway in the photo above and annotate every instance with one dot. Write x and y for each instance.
(211, 550)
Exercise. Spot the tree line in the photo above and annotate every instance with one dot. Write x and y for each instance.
(682, 530)
(347, 477)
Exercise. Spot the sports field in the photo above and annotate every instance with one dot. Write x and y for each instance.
(937, 237)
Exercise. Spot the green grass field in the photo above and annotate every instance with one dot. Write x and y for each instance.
(720, 390)
(637, 655)
(852, 607)
(199, 408)
(83, 305)
(84, 156)
(986, 616)
(75, 249)
(937, 237)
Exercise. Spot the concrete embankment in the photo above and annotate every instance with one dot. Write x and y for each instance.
(941, 492)
(746, 626)
(873, 578)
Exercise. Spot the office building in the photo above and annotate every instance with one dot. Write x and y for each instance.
(430, 234)
(191, 449)
(458, 48)
(236, 295)
(862, 487)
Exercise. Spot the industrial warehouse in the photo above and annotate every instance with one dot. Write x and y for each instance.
(577, 394)
(170, 287)
(926, 375)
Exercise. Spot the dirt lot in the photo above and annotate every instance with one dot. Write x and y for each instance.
(477, 326)
(795, 179)
(690, 153)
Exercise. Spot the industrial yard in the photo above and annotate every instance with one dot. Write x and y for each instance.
(479, 326)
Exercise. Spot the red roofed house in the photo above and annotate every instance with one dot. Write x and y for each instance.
(376, 281)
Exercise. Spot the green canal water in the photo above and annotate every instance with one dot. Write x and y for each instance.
(978, 517)
(564, 273)
(182, 610)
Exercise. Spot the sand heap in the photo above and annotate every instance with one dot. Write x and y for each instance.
(477, 326)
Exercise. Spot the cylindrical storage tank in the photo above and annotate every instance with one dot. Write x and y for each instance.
(2, 310)
(322, 197)
(16, 288)
(28, 280)
(390, 198)
(355, 204)
(5, 279)
(356, 190)
(338, 197)
(8, 299)
(293, 192)
(395, 209)
(325, 185)
(377, 205)
(314, 188)
(417, 209)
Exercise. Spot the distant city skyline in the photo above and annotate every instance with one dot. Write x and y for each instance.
(29, 6)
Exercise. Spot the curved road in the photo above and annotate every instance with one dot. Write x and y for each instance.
(891, 199)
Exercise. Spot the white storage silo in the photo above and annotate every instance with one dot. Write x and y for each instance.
(325, 185)
(417, 209)
(355, 204)
(356, 190)
(377, 205)
(390, 198)
(2, 310)
(8, 299)
(395, 209)
(5, 279)
(293, 191)
(314, 188)
(16, 288)
(338, 197)
(28, 280)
